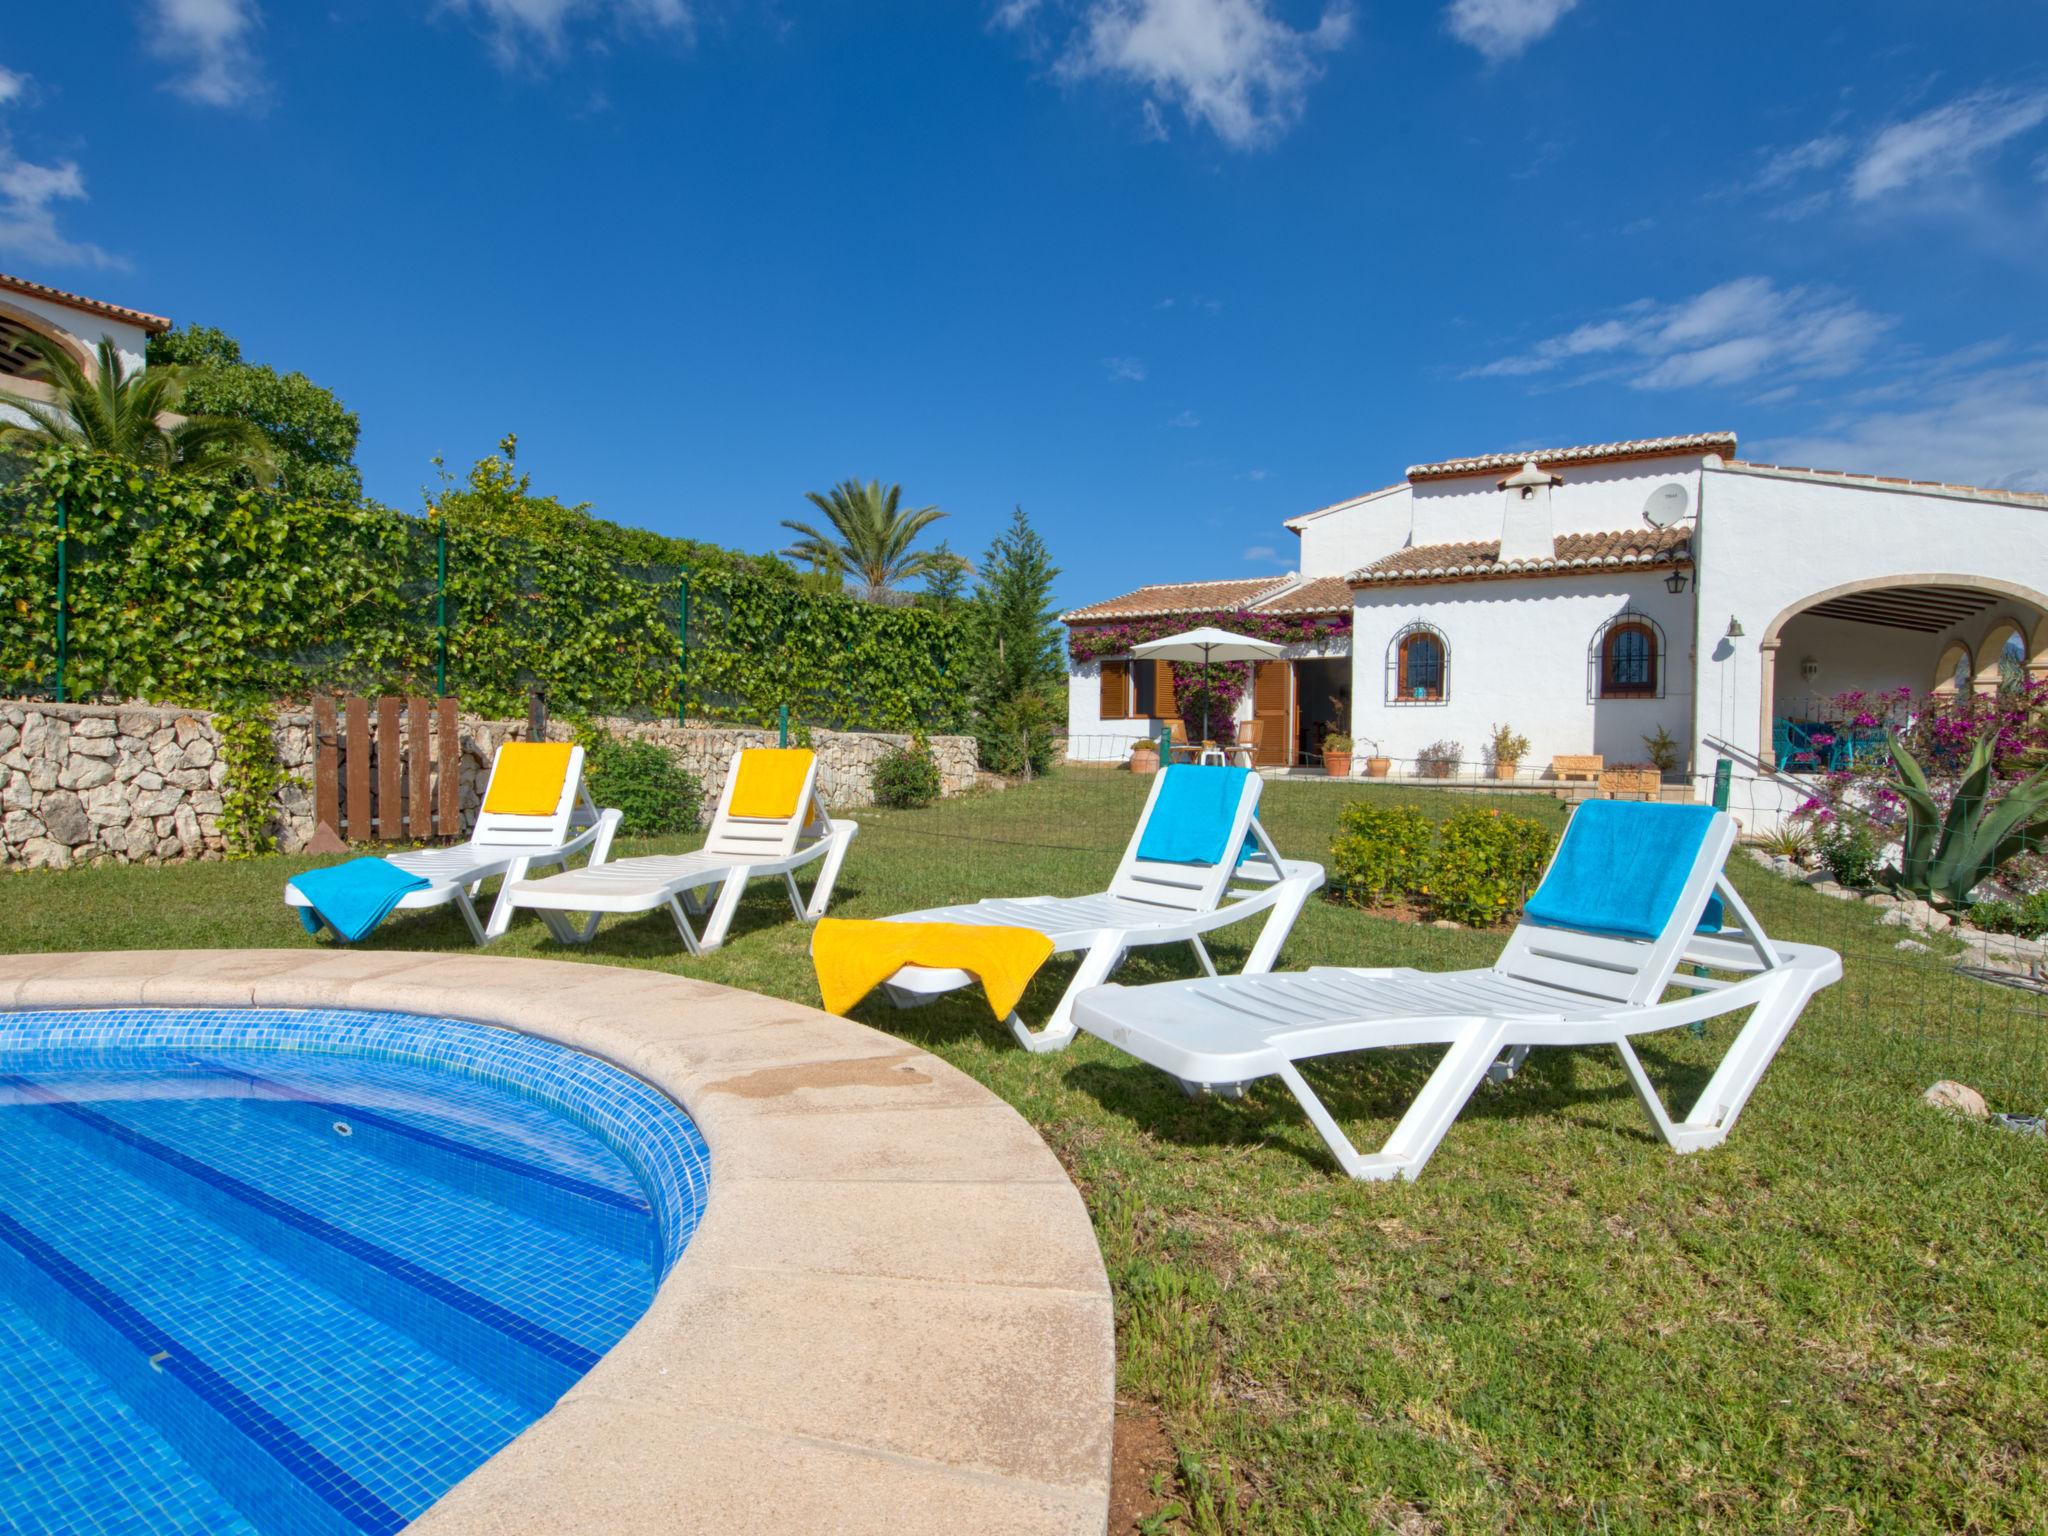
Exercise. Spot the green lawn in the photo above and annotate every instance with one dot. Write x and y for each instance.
(1835, 1322)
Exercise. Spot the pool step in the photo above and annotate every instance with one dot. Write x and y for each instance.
(63, 1425)
(511, 1353)
(306, 1413)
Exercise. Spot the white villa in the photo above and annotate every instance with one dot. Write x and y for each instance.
(1589, 596)
(72, 320)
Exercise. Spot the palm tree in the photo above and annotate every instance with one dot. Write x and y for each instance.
(131, 416)
(874, 540)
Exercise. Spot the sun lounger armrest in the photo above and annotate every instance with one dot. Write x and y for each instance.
(597, 837)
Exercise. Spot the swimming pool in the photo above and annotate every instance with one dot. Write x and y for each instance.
(267, 1272)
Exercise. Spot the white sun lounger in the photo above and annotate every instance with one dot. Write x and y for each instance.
(737, 849)
(1148, 902)
(502, 844)
(1552, 986)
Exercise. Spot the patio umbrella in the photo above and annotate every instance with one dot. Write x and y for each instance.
(1204, 647)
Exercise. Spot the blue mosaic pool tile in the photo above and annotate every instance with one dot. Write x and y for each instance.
(332, 1228)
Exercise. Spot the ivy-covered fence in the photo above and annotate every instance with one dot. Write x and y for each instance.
(185, 590)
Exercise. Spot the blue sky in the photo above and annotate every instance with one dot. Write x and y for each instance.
(1166, 272)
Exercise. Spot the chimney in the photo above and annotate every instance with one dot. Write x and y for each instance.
(1526, 532)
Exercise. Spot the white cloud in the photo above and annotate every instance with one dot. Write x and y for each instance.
(1186, 420)
(1229, 64)
(520, 28)
(1985, 428)
(1500, 29)
(1124, 370)
(1946, 144)
(1265, 554)
(1729, 334)
(1785, 165)
(28, 216)
(210, 43)
(1013, 15)
(12, 85)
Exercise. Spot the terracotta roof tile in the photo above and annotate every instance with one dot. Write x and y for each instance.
(1179, 597)
(1722, 443)
(1322, 594)
(1639, 549)
(148, 322)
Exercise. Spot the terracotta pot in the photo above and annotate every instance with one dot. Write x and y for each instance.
(1145, 760)
(1378, 767)
(1506, 770)
(1337, 764)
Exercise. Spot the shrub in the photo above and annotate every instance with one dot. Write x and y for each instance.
(1439, 760)
(1948, 849)
(1485, 866)
(2027, 917)
(644, 780)
(908, 779)
(1382, 852)
(1788, 840)
(1850, 850)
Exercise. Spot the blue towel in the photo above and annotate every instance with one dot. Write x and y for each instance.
(353, 898)
(1621, 869)
(1191, 820)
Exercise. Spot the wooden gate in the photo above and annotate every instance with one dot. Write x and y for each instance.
(390, 784)
(1273, 706)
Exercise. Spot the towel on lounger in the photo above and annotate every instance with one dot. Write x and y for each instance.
(854, 956)
(1193, 815)
(770, 779)
(1621, 869)
(527, 779)
(353, 898)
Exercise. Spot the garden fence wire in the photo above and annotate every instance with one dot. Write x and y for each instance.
(1912, 1008)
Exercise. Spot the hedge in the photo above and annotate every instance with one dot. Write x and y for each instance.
(188, 590)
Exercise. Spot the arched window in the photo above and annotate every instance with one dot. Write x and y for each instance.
(2012, 661)
(1626, 659)
(1419, 666)
(1953, 672)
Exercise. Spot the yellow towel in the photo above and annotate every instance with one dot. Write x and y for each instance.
(770, 780)
(854, 957)
(528, 778)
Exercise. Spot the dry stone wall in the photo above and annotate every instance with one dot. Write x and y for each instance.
(131, 783)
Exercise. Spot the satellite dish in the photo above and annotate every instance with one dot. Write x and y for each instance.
(1666, 505)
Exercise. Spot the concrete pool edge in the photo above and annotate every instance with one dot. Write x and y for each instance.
(893, 1316)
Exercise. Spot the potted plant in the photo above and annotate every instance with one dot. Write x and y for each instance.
(1508, 747)
(1145, 755)
(1663, 752)
(1337, 756)
(1377, 766)
(1439, 760)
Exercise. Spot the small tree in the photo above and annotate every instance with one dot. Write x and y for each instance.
(1014, 652)
(312, 435)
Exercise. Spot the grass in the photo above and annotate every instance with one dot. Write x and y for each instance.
(1835, 1322)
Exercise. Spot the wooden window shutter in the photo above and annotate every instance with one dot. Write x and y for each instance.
(1162, 691)
(1116, 691)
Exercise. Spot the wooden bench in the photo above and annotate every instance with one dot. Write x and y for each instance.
(1583, 767)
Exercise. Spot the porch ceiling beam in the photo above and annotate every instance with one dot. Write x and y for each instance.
(1913, 610)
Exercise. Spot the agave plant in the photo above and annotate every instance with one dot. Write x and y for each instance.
(1947, 852)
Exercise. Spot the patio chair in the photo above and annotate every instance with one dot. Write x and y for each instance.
(770, 821)
(1198, 861)
(536, 813)
(1633, 892)
(1251, 735)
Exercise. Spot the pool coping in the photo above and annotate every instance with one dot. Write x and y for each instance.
(893, 1316)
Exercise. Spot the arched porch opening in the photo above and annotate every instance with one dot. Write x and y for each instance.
(1925, 632)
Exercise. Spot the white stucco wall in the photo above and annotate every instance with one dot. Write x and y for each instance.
(1519, 657)
(1338, 541)
(1771, 541)
(1594, 497)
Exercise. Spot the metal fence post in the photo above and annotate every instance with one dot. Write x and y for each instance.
(63, 593)
(682, 644)
(441, 615)
(782, 724)
(1722, 772)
